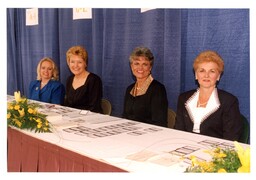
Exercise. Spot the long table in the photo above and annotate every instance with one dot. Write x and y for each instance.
(83, 141)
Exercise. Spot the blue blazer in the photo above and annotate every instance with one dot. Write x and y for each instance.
(225, 122)
(52, 92)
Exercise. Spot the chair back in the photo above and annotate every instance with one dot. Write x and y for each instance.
(171, 118)
(106, 106)
(246, 131)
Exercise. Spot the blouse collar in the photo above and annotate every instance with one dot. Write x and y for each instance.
(212, 105)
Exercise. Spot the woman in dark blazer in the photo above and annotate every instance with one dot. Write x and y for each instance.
(209, 110)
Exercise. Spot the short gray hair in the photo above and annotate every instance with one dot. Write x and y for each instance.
(144, 52)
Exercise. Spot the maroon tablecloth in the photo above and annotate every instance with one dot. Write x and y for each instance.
(28, 154)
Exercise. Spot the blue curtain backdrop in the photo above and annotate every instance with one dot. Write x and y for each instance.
(175, 36)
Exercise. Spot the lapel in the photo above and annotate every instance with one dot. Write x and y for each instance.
(212, 106)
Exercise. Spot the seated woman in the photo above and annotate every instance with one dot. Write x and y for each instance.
(145, 100)
(47, 88)
(208, 110)
(83, 88)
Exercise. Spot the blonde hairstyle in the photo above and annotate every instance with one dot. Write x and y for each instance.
(55, 72)
(209, 56)
(79, 51)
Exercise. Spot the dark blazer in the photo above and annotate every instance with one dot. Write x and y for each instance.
(150, 107)
(225, 122)
(52, 92)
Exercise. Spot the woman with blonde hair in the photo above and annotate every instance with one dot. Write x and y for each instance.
(83, 88)
(47, 88)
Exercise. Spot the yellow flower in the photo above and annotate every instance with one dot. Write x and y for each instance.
(39, 125)
(218, 153)
(38, 120)
(17, 96)
(207, 166)
(18, 122)
(222, 170)
(9, 106)
(193, 160)
(244, 157)
(30, 110)
(17, 107)
(34, 111)
(8, 115)
(22, 113)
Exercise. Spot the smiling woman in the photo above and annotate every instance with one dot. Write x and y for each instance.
(83, 88)
(47, 88)
(208, 110)
(146, 99)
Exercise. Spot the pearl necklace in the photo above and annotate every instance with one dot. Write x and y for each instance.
(141, 90)
(43, 84)
(201, 104)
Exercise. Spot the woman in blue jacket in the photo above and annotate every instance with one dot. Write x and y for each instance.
(47, 88)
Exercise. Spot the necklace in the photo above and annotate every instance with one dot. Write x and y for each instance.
(43, 83)
(202, 104)
(142, 90)
(139, 88)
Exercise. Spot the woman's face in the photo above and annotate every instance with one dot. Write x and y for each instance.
(46, 70)
(141, 67)
(207, 74)
(77, 64)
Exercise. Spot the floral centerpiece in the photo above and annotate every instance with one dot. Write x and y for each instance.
(223, 160)
(24, 115)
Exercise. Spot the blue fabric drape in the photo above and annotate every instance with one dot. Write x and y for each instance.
(175, 36)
